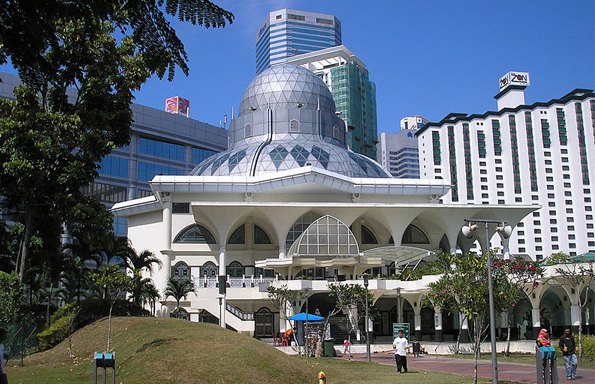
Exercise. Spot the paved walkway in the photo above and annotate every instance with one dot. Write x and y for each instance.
(506, 371)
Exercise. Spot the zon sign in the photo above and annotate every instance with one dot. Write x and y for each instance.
(514, 78)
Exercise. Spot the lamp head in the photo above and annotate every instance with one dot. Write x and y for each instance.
(504, 230)
(468, 230)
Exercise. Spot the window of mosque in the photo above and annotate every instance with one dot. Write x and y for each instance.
(294, 126)
(180, 271)
(196, 234)
(209, 269)
(260, 236)
(368, 237)
(300, 226)
(180, 208)
(238, 236)
(300, 154)
(235, 269)
(391, 241)
(248, 131)
(414, 235)
(180, 313)
(336, 132)
(264, 272)
(263, 320)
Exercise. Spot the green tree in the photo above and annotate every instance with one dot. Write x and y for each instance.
(11, 299)
(114, 282)
(51, 139)
(178, 289)
(518, 279)
(139, 263)
(463, 288)
(350, 298)
(579, 275)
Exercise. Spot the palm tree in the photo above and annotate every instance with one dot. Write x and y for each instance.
(178, 289)
(149, 294)
(138, 262)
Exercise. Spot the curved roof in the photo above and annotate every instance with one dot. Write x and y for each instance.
(287, 120)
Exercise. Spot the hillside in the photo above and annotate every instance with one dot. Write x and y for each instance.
(162, 350)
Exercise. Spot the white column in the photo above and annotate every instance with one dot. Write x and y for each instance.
(575, 315)
(536, 317)
(222, 286)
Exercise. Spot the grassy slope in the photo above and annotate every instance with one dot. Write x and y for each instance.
(159, 350)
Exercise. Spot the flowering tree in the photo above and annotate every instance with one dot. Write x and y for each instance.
(518, 278)
(464, 288)
(579, 275)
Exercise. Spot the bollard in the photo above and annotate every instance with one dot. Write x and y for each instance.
(547, 372)
(321, 378)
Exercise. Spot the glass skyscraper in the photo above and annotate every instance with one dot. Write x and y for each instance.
(289, 32)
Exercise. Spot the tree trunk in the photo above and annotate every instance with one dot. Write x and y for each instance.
(109, 327)
(49, 302)
(26, 242)
(508, 336)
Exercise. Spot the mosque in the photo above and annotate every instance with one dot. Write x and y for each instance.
(290, 204)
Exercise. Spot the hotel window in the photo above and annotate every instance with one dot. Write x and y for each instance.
(565, 168)
(518, 199)
(570, 227)
(499, 177)
(498, 169)
(500, 185)
(554, 238)
(550, 187)
(566, 185)
(553, 221)
(521, 249)
(498, 161)
(536, 222)
(483, 179)
(539, 248)
(549, 170)
(534, 197)
(552, 213)
(572, 245)
(537, 231)
(551, 196)
(535, 214)
(568, 202)
(551, 204)
(569, 210)
(588, 217)
(549, 179)
(571, 237)
(555, 247)
(548, 162)
(567, 193)
(570, 219)
(521, 233)
(500, 193)
(565, 159)
(566, 176)
(553, 230)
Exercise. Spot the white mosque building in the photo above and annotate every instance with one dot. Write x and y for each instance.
(289, 204)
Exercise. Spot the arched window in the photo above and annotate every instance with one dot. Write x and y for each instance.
(263, 321)
(260, 236)
(336, 132)
(195, 234)
(294, 126)
(248, 130)
(414, 235)
(238, 236)
(209, 269)
(368, 237)
(180, 271)
(235, 269)
(180, 313)
(300, 226)
(391, 241)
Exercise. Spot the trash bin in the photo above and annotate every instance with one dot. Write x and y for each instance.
(329, 349)
(416, 348)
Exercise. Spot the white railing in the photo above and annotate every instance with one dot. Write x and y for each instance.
(233, 282)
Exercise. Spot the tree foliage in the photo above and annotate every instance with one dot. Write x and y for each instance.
(80, 62)
(11, 299)
(178, 289)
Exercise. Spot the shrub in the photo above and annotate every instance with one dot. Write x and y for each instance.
(62, 322)
(588, 343)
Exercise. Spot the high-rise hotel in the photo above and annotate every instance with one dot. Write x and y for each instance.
(542, 154)
(289, 32)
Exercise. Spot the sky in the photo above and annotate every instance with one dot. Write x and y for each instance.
(427, 57)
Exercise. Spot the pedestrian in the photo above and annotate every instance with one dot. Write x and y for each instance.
(346, 344)
(3, 377)
(400, 344)
(543, 340)
(568, 347)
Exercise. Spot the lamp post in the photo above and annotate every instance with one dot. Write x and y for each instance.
(504, 231)
(306, 333)
(366, 277)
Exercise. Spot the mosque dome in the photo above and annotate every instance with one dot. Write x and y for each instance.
(287, 119)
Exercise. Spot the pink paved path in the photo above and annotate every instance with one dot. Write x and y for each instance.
(506, 371)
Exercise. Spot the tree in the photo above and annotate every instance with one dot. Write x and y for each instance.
(350, 297)
(51, 140)
(139, 262)
(114, 282)
(579, 276)
(178, 289)
(463, 287)
(518, 278)
(11, 299)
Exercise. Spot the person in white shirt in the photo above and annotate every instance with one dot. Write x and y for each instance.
(401, 344)
(3, 378)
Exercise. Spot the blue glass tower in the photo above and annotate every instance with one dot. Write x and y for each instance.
(289, 32)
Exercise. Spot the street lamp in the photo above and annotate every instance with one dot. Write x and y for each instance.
(366, 277)
(306, 333)
(504, 231)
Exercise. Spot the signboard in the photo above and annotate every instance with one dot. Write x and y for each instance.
(177, 105)
(401, 327)
(515, 78)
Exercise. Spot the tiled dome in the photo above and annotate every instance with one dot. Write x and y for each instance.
(287, 120)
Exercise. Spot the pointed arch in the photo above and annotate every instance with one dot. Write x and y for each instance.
(414, 235)
(327, 236)
(299, 226)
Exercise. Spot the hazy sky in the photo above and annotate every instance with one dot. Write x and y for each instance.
(427, 58)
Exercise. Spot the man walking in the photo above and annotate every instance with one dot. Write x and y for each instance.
(568, 348)
(401, 344)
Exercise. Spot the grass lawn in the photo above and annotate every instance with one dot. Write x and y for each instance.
(160, 350)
